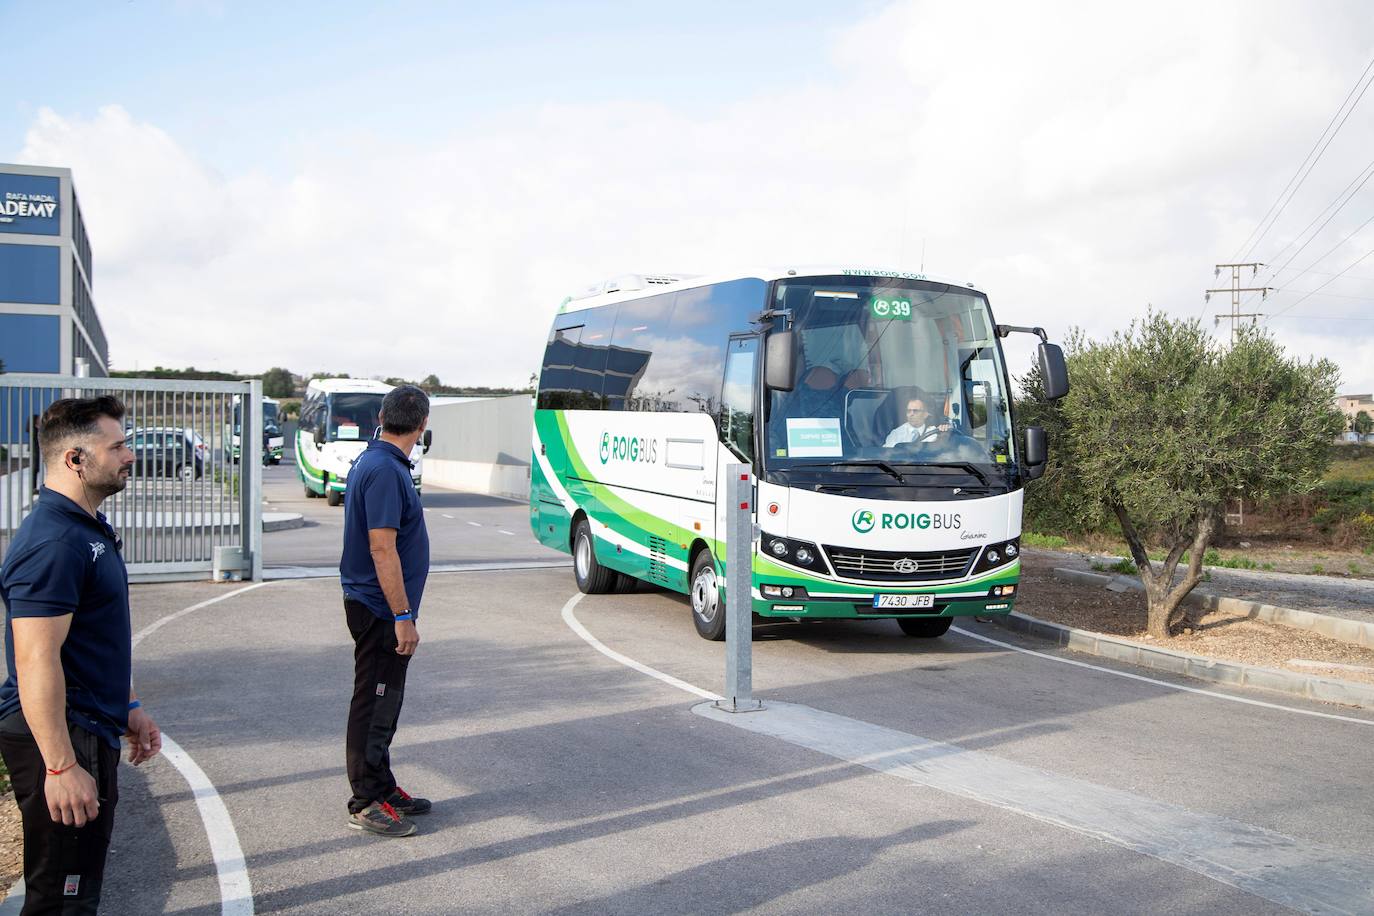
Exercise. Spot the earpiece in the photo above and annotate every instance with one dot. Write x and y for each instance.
(76, 459)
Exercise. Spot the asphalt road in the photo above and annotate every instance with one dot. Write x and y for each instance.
(463, 527)
(565, 781)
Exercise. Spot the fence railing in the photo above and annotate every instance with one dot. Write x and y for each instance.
(186, 497)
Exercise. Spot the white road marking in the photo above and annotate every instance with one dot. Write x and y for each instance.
(506, 533)
(163, 621)
(475, 524)
(446, 515)
(1150, 680)
(610, 653)
(1295, 873)
(235, 889)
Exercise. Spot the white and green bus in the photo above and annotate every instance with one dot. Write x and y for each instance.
(650, 386)
(338, 417)
(271, 426)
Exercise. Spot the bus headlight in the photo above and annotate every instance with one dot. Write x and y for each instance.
(793, 552)
(995, 555)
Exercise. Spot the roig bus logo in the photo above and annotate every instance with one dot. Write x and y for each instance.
(864, 521)
(635, 449)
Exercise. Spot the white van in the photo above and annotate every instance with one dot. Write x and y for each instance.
(338, 416)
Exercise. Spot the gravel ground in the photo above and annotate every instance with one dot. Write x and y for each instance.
(11, 843)
(1335, 595)
(1230, 637)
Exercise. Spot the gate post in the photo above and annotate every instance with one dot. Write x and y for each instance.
(250, 474)
(739, 587)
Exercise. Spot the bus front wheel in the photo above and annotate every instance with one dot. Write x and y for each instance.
(924, 627)
(592, 577)
(708, 611)
(331, 496)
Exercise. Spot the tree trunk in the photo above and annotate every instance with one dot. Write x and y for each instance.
(1164, 610)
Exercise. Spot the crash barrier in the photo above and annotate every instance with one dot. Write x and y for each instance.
(189, 508)
(482, 446)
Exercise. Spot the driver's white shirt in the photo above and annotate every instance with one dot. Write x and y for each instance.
(908, 433)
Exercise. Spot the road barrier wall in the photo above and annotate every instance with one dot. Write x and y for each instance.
(482, 446)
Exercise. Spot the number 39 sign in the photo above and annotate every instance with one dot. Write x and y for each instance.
(888, 309)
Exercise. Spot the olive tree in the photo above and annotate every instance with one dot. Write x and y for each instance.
(1164, 426)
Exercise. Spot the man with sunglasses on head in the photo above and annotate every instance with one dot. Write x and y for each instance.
(919, 425)
(68, 697)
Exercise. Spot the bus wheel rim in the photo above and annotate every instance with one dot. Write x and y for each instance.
(584, 551)
(705, 596)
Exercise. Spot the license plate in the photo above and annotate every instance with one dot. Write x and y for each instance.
(903, 602)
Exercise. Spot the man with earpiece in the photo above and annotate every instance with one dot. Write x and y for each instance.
(69, 697)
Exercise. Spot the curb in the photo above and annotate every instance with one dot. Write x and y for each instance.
(1354, 632)
(282, 521)
(1233, 674)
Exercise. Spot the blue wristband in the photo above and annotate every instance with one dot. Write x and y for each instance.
(134, 704)
(406, 616)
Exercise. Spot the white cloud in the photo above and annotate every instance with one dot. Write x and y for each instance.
(1077, 161)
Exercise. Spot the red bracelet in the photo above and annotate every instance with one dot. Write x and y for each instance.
(52, 772)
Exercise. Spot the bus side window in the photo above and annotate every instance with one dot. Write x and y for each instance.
(737, 397)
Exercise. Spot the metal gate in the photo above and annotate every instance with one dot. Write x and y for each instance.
(187, 495)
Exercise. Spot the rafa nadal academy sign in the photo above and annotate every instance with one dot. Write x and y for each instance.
(29, 204)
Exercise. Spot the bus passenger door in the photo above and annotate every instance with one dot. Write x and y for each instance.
(736, 420)
(549, 463)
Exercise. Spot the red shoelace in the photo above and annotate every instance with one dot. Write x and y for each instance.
(405, 796)
(390, 811)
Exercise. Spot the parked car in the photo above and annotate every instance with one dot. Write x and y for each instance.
(167, 451)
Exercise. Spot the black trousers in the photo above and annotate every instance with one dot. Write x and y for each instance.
(64, 867)
(379, 681)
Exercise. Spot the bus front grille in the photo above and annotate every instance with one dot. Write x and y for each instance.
(899, 566)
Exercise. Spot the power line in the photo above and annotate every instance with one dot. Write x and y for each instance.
(1328, 282)
(1320, 318)
(1309, 162)
(1235, 289)
(1367, 172)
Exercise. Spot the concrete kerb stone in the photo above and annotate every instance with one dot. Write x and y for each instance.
(1234, 674)
(1354, 632)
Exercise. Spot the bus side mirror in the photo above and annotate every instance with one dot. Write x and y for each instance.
(779, 361)
(1034, 451)
(1054, 375)
(427, 440)
(319, 434)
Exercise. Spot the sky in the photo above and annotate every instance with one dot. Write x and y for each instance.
(412, 188)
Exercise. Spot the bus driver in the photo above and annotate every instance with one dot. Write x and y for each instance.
(918, 426)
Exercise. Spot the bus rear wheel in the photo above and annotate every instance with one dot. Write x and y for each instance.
(331, 496)
(708, 611)
(592, 577)
(924, 627)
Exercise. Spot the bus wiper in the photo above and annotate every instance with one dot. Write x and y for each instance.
(958, 466)
(880, 465)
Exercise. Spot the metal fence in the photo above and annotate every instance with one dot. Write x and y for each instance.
(186, 499)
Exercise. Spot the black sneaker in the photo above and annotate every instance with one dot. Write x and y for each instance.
(381, 819)
(407, 804)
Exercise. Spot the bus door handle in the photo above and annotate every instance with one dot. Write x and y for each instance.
(543, 449)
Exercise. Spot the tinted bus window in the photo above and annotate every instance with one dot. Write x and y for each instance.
(693, 354)
(634, 368)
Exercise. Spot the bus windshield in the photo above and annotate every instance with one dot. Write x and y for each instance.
(269, 416)
(891, 373)
(353, 415)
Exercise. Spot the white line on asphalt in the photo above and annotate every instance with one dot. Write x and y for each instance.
(1303, 875)
(235, 890)
(1150, 680)
(446, 515)
(163, 621)
(475, 524)
(571, 620)
(505, 532)
(1297, 873)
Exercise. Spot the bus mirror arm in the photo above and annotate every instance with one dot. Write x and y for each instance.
(1054, 374)
(319, 435)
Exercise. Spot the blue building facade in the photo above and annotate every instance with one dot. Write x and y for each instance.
(48, 321)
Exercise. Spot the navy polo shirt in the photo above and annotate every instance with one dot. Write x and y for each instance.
(381, 494)
(63, 561)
